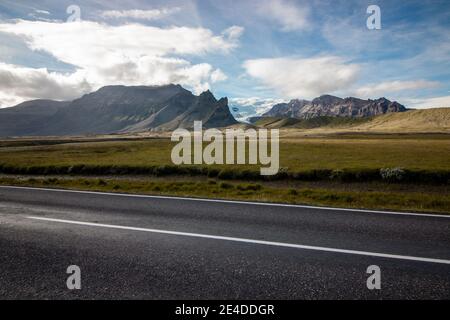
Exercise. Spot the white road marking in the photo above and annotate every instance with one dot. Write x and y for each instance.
(232, 201)
(260, 242)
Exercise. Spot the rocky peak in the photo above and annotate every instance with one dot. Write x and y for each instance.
(327, 100)
(113, 109)
(328, 105)
(207, 96)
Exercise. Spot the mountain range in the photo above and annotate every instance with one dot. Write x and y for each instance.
(434, 120)
(126, 109)
(116, 109)
(332, 106)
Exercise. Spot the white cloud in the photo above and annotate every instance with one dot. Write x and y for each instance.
(287, 14)
(153, 14)
(436, 102)
(42, 12)
(88, 43)
(131, 54)
(217, 76)
(19, 83)
(233, 33)
(8, 100)
(303, 78)
(383, 88)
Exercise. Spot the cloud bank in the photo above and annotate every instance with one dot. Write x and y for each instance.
(131, 54)
(287, 14)
(305, 78)
(394, 86)
(153, 14)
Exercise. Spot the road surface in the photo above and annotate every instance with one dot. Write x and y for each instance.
(144, 247)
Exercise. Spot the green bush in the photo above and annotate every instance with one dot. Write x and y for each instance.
(102, 182)
(226, 174)
(249, 187)
(392, 174)
(212, 173)
(225, 185)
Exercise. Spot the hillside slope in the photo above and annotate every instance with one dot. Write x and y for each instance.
(412, 121)
(425, 120)
(28, 117)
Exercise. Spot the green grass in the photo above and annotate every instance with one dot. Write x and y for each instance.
(422, 153)
(388, 199)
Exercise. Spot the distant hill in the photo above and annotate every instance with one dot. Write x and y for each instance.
(424, 120)
(317, 122)
(419, 121)
(114, 109)
(28, 117)
(332, 106)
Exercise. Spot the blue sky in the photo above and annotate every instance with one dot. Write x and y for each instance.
(255, 52)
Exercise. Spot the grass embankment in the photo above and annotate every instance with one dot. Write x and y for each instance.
(357, 197)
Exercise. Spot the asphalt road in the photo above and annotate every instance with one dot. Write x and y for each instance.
(170, 248)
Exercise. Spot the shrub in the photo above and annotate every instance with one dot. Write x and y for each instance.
(102, 182)
(248, 175)
(392, 174)
(225, 185)
(249, 187)
(226, 174)
(165, 170)
(213, 172)
(312, 175)
(337, 174)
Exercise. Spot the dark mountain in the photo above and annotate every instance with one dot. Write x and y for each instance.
(285, 110)
(29, 116)
(114, 109)
(332, 106)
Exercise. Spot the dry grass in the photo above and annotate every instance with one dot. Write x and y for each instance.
(382, 198)
(435, 120)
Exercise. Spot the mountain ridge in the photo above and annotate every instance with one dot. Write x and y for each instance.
(432, 120)
(117, 109)
(328, 105)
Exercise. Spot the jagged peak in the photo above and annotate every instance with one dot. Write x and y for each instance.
(299, 101)
(326, 98)
(329, 105)
(223, 100)
(207, 95)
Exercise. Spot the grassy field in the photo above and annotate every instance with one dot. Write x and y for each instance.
(421, 152)
(358, 153)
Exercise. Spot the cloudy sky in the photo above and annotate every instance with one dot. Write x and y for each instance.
(255, 52)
